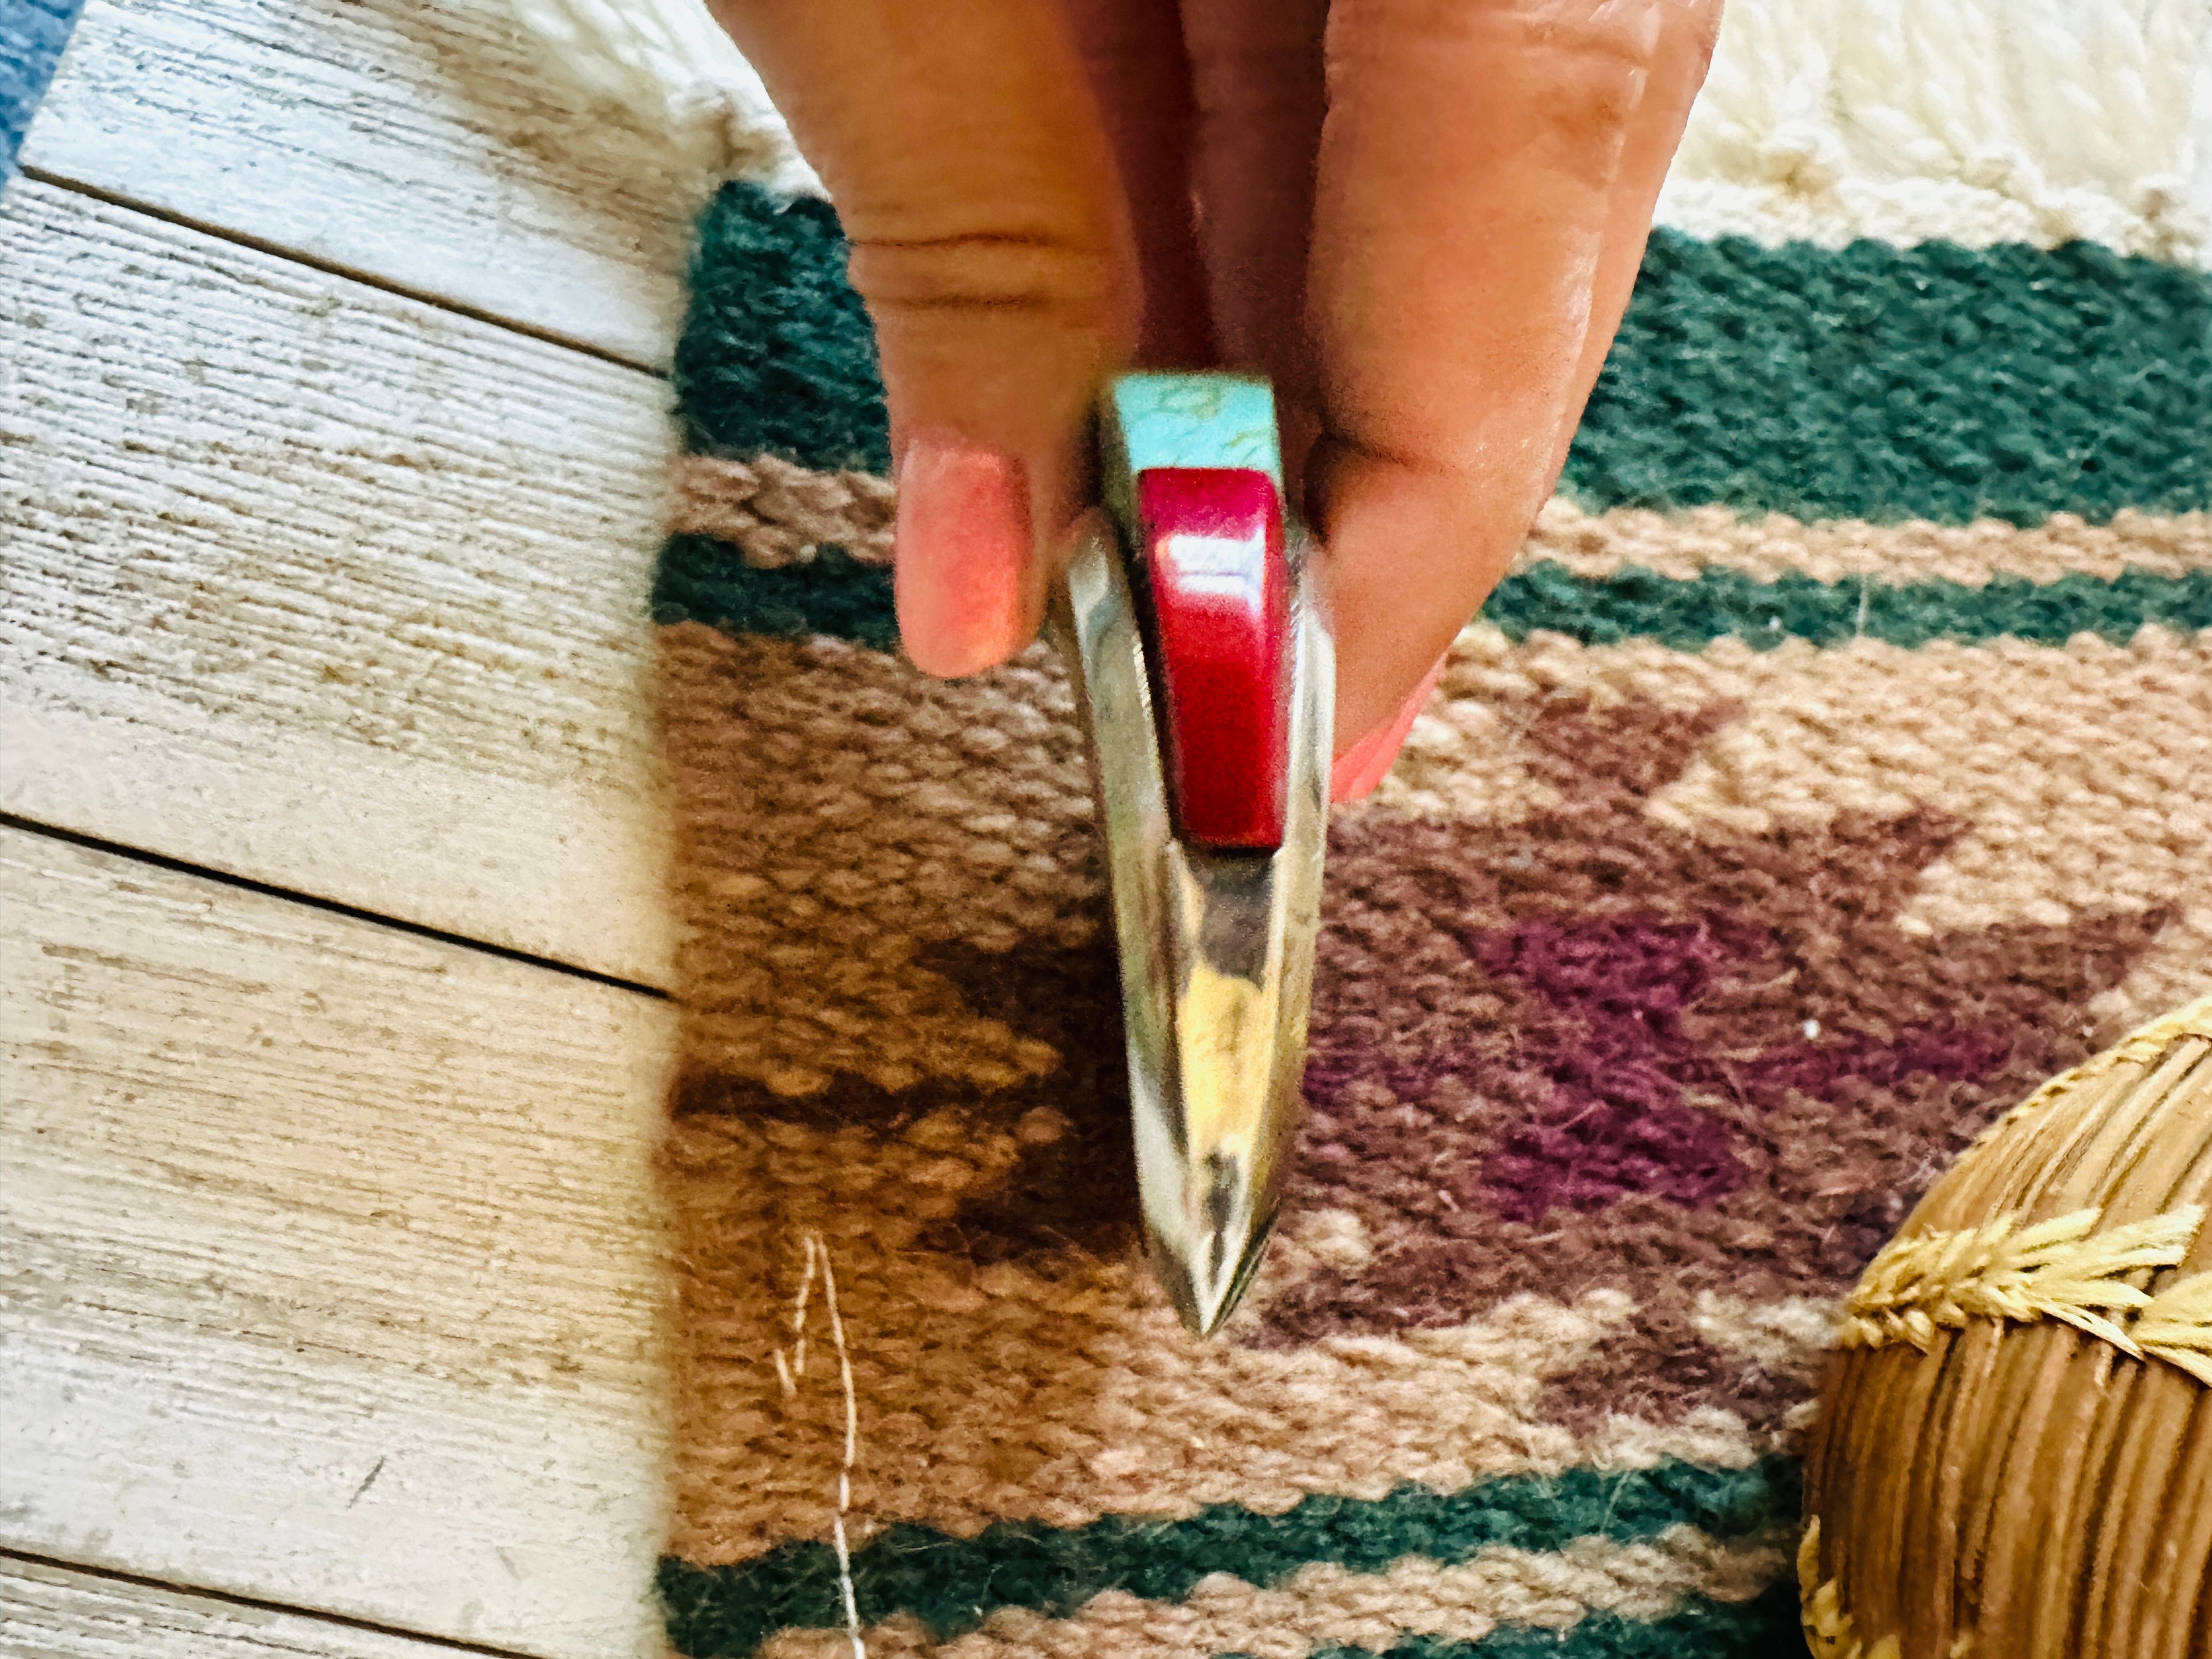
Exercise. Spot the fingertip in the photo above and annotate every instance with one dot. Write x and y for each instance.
(961, 554)
(1359, 769)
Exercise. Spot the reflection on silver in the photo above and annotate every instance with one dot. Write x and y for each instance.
(1215, 948)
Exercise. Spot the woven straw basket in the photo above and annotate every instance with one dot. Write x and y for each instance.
(2014, 1456)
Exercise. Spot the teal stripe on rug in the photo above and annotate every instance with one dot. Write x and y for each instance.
(953, 1583)
(705, 581)
(1766, 1627)
(1869, 382)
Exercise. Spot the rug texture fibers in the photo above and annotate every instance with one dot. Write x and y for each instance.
(1834, 764)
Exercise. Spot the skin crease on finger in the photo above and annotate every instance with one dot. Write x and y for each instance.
(1422, 223)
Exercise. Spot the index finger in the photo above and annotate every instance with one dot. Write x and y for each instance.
(1486, 175)
(961, 144)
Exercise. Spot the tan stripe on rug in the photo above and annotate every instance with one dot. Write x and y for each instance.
(1329, 1605)
(778, 513)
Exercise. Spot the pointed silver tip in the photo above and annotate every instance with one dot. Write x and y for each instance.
(1207, 1289)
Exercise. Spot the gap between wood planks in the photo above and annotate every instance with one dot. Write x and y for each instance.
(270, 890)
(366, 276)
(46, 1569)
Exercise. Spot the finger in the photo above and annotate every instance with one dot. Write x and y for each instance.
(1464, 242)
(1255, 69)
(1133, 53)
(1655, 132)
(961, 145)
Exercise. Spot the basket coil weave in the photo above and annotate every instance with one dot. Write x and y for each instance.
(2015, 1450)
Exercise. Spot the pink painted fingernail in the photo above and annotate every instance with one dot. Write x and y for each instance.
(960, 554)
(1368, 762)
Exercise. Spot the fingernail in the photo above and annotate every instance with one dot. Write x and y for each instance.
(1368, 762)
(960, 554)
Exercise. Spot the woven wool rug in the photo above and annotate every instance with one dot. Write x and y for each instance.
(1835, 763)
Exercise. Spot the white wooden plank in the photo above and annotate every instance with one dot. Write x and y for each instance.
(327, 587)
(52, 1613)
(421, 146)
(333, 1265)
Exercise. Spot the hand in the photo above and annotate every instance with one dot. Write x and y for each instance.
(1420, 218)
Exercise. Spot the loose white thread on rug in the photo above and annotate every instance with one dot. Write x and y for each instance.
(852, 1446)
(818, 1251)
(798, 1364)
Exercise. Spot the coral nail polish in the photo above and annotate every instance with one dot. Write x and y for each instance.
(1368, 762)
(961, 554)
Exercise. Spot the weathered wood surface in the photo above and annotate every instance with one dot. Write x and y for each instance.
(52, 1613)
(327, 587)
(419, 146)
(332, 1260)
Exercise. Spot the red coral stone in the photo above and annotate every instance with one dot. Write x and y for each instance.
(1220, 593)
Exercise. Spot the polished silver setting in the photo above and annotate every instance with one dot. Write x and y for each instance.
(1216, 949)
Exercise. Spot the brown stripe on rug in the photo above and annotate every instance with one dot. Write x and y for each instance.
(854, 842)
(1652, 989)
(904, 910)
